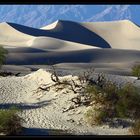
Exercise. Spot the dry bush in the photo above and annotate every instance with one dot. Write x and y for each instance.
(75, 86)
(86, 76)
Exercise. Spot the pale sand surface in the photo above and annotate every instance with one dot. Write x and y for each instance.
(44, 110)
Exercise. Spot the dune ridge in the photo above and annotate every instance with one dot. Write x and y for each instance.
(122, 34)
(65, 30)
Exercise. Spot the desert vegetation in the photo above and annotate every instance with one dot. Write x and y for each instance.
(5, 74)
(10, 122)
(113, 102)
(136, 71)
(106, 99)
(3, 53)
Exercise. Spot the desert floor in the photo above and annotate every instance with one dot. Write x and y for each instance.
(45, 112)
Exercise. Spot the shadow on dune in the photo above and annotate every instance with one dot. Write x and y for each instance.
(24, 106)
(24, 50)
(66, 30)
(80, 56)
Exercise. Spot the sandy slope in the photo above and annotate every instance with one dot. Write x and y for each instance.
(122, 34)
(53, 44)
(46, 110)
(119, 34)
(10, 36)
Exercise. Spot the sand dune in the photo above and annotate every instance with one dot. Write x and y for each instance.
(53, 44)
(122, 34)
(22, 36)
(43, 44)
(65, 30)
(72, 42)
(119, 34)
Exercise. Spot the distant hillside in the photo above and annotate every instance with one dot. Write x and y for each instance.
(40, 15)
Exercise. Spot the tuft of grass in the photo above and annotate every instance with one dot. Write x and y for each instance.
(10, 122)
(136, 71)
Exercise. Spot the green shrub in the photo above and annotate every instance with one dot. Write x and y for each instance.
(128, 104)
(136, 71)
(110, 91)
(95, 116)
(10, 122)
(105, 97)
(93, 92)
(121, 102)
(135, 129)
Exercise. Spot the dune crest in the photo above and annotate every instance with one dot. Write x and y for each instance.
(50, 26)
